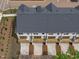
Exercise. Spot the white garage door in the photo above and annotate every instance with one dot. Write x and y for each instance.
(51, 48)
(24, 49)
(37, 48)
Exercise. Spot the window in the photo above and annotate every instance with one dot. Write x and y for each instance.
(35, 33)
(50, 37)
(20, 33)
(27, 33)
(23, 37)
(50, 33)
(66, 37)
(66, 33)
(77, 7)
(42, 33)
(77, 37)
(74, 0)
(37, 37)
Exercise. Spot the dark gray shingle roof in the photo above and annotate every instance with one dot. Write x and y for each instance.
(62, 20)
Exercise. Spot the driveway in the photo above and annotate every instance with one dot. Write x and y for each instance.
(24, 48)
(51, 48)
(37, 48)
(76, 46)
(64, 47)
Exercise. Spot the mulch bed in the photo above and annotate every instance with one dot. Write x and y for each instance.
(72, 49)
(44, 48)
(31, 49)
(58, 49)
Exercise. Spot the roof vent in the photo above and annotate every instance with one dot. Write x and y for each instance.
(39, 9)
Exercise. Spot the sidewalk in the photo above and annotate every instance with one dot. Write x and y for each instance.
(6, 15)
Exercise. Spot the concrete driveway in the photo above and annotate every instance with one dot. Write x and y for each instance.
(37, 48)
(51, 48)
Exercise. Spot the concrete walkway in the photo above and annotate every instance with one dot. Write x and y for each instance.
(6, 15)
